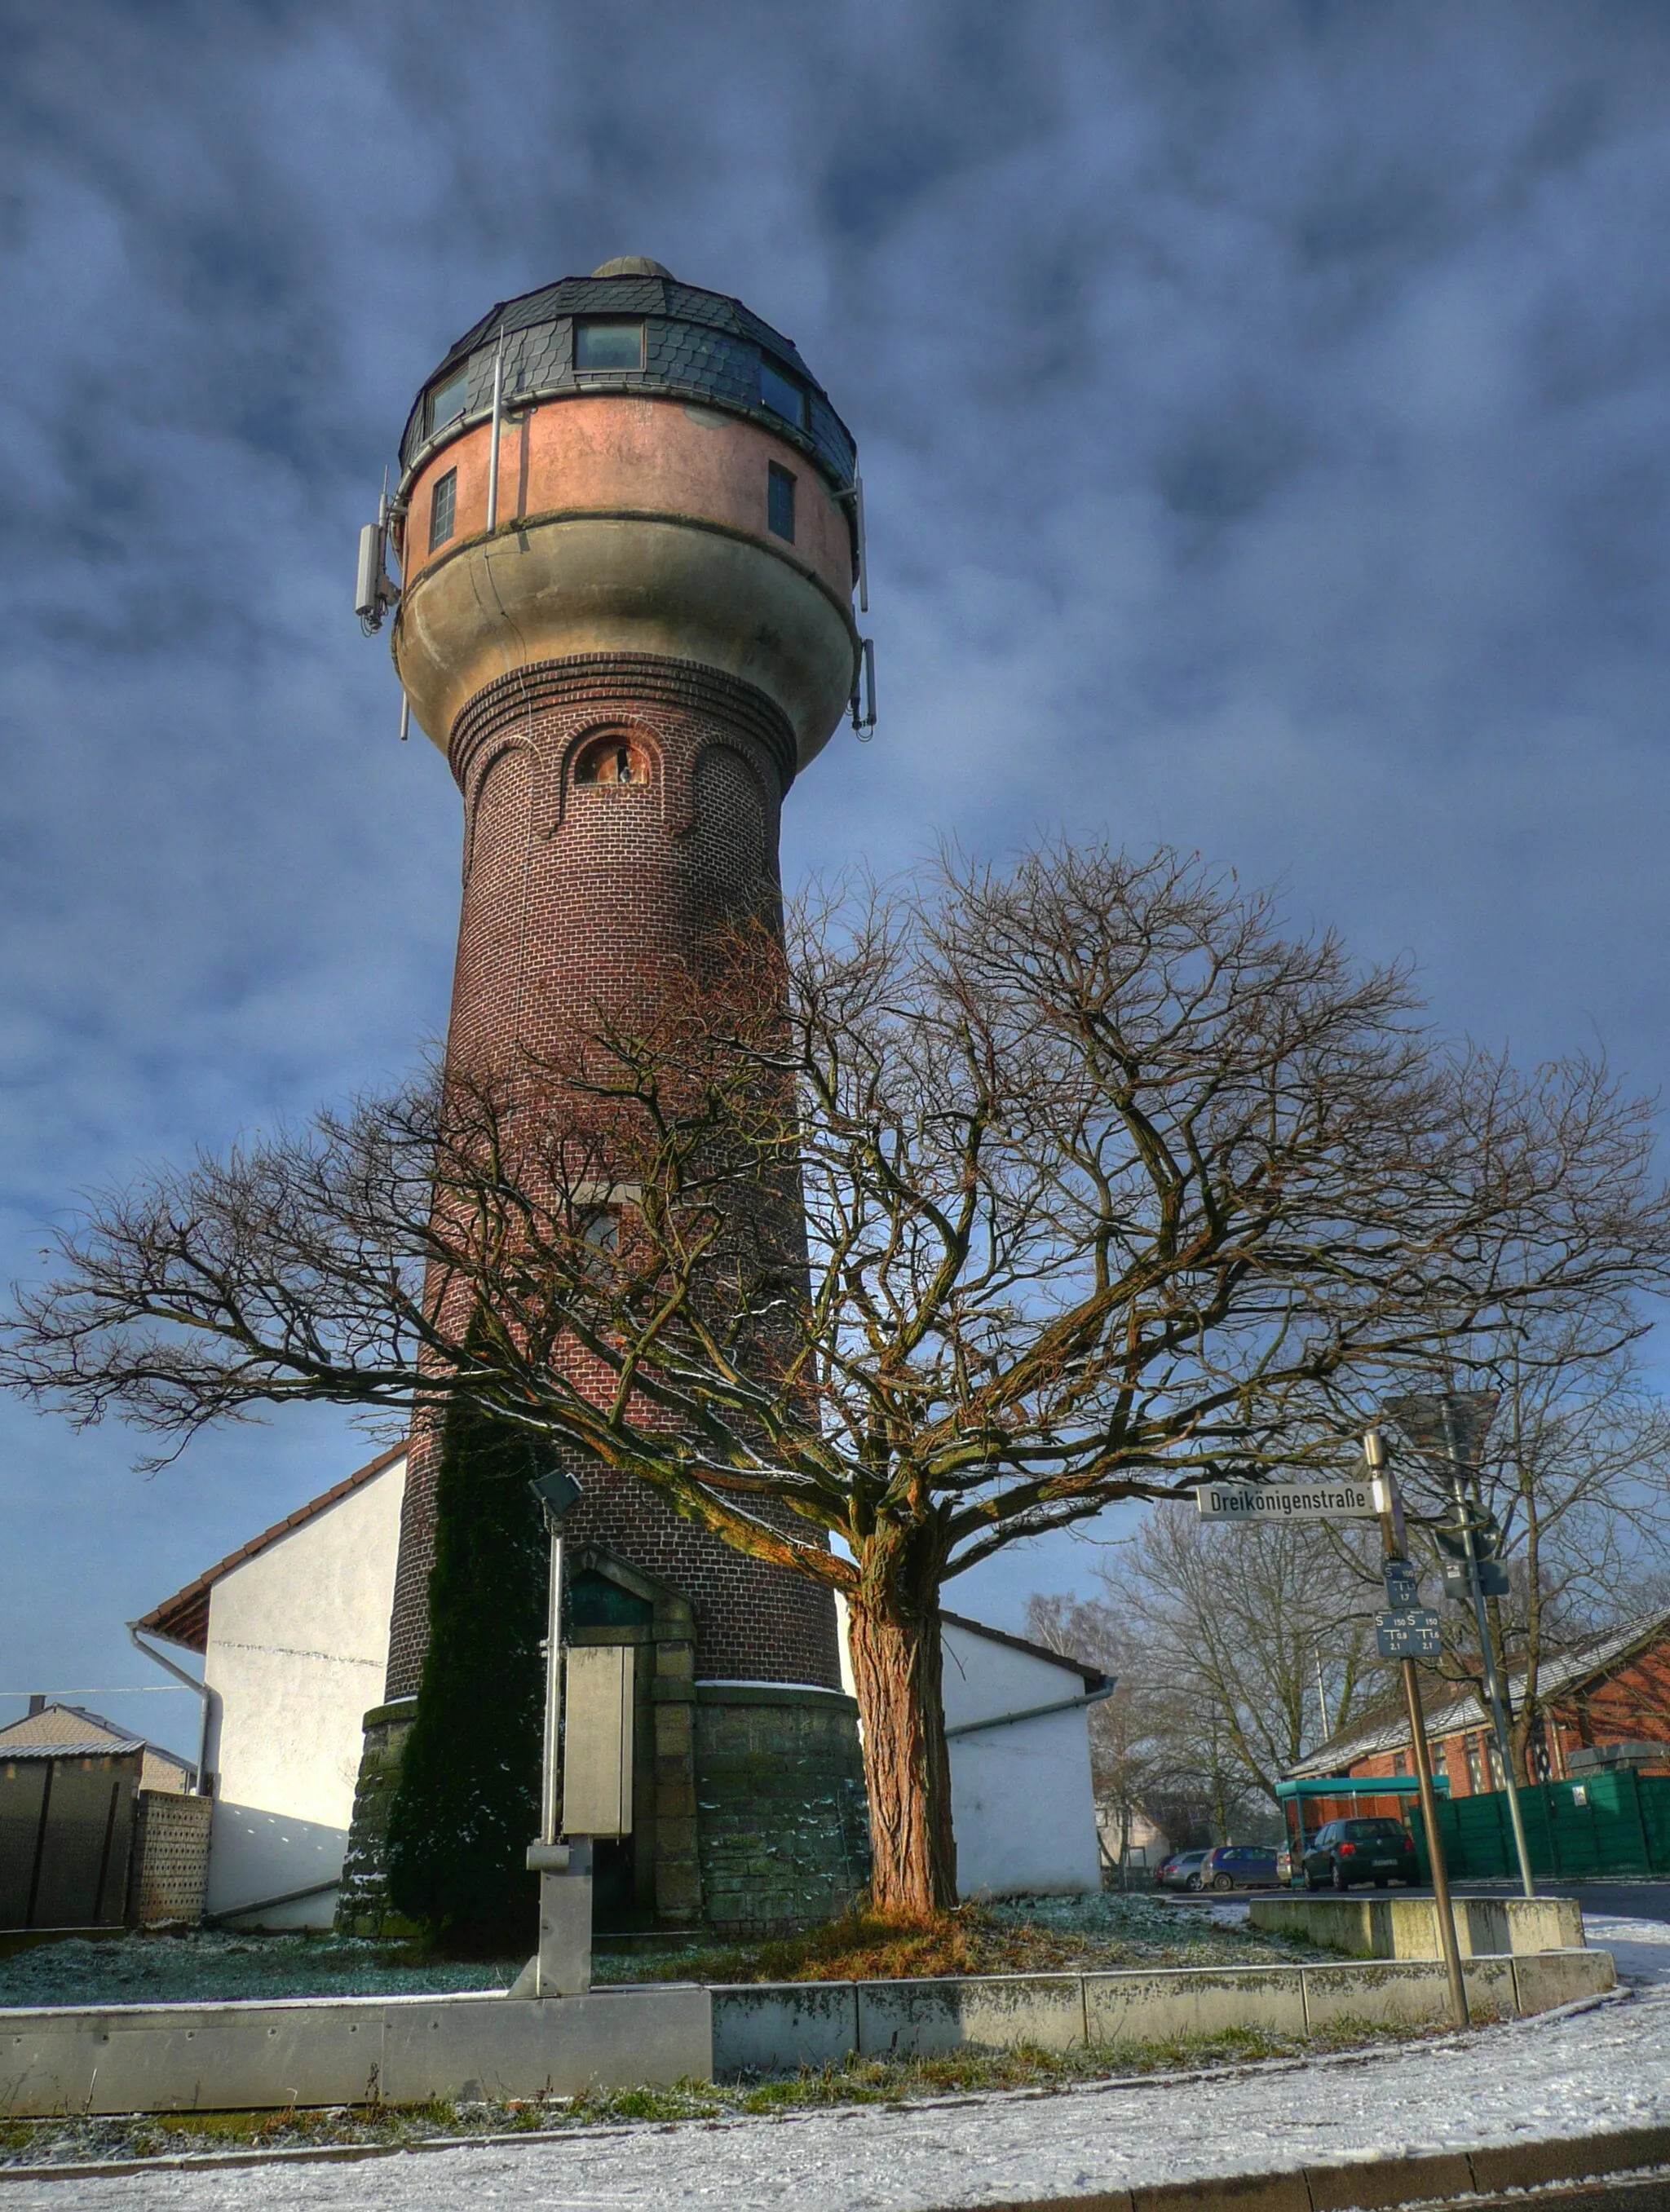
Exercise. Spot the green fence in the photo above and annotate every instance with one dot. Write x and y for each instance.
(1604, 1825)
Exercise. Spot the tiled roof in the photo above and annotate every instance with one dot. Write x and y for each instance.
(60, 1731)
(183, 1619)
(81, 1748)
(1387, 1728)
(59, 1724)
(698, 345)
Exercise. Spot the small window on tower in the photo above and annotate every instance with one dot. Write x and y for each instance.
(781, 394)
(780, 502)
(448, 400)
(443, 508)
(609, 345)
(612, 760)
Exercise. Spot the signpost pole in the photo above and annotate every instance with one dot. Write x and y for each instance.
(1392, 1531)
(562, 1964)
(1487, 1648)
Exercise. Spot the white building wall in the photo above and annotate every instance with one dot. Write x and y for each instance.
(298, 1644)
(1022, 1805)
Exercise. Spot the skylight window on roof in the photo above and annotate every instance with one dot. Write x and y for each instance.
(781, 394)
(447, 401)
(609, 345)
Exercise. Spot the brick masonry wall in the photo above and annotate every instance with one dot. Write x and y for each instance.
(576, 895)
(169, 1872)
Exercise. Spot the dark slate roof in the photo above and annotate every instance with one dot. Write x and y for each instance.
(698, 345)
(1092, 1677)
(183, 1619)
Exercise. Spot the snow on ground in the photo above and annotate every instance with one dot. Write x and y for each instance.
(1641, 1947)
(206, 1967)
(1582, 2072)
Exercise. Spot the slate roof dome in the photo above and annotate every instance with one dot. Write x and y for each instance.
(697, 346)
(631, 265)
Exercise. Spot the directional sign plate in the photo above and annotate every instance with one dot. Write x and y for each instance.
(1403, 1586)
(1334, 1498)
(1417, 1635)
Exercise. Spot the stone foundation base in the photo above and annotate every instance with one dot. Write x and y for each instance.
(362, 1907)
(782, 1834)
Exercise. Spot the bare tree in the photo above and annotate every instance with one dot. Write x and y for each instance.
(1266, 1631)
(1107, 1185)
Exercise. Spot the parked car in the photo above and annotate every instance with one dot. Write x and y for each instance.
(1182, 1871)
(1347, 1851)
(1239, 1866)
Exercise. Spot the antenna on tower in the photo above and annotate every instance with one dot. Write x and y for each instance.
(375, 591)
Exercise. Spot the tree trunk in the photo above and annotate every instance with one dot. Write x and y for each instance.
(896, 1670)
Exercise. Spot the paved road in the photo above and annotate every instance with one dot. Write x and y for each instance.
(1632, 1900)
(1629, 1901)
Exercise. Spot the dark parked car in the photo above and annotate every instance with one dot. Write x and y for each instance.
(1239, 1866)
(1182, 1871)
(1347, 1851)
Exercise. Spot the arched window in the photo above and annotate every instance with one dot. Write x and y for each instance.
(615, 759)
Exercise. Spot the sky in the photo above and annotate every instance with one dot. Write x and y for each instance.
(1265, 420)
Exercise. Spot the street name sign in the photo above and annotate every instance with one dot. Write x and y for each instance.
(1345, 1497)
(1417, 1635)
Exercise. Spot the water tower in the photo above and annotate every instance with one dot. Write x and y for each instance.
(628, 529)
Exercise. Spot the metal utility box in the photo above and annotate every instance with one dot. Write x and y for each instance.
(596, 1739)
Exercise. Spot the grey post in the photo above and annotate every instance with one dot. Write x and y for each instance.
(562, 1967)
(1397, 1547)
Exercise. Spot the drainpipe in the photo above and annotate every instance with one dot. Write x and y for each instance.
(201, 1691)
(1035, 1712)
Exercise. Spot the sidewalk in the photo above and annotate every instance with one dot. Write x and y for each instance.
(1603, 2069)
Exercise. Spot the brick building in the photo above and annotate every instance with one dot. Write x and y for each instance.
(629, 531)
(1607, 1697)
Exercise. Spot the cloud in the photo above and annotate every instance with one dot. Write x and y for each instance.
(1263, 412)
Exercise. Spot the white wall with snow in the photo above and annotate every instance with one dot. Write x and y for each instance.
(298, 1644)
(1022, 1805)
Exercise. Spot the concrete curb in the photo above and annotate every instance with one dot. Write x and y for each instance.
(768, 2025)
(1385, 1927)
(358, 2050)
